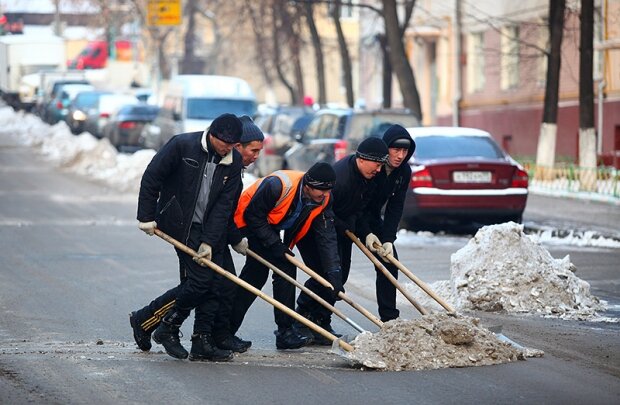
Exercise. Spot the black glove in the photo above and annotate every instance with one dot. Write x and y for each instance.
(280, 250)
(335, 279)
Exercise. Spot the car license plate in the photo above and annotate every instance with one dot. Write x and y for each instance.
(471, 177)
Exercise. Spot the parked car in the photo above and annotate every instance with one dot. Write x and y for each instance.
(51, 92)
(277, 126)
(335, 133)
(58, 107)
(461, 175)
(84, 105)
(125, 126)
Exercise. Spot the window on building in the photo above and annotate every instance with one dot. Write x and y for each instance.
(509, 57)
(475, 62)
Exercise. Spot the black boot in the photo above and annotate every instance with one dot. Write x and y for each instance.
(142, 338)
(289, 338)
(325, 323)
(234, 343)
(204, 348)
(167, 335)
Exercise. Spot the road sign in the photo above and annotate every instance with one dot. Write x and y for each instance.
(163, 12)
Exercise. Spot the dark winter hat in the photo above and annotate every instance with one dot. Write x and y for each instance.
(320, 176)
(397, 137)
(373, 149)
(226, 128)
(251, 131)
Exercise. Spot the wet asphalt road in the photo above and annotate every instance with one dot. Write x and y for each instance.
(73, 264)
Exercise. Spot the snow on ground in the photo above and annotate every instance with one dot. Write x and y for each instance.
(502, 269)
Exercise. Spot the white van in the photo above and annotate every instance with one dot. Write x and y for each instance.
(192, 102)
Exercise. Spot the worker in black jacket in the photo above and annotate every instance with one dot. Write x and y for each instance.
(389, 197)
(216, 310)
(188, 191)
(354, 187)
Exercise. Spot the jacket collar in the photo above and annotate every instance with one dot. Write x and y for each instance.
(226, 160)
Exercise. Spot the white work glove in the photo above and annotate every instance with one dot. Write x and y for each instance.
(204, 252)
(371, 239)
(387, 249)
(241, 247)
(148, 227)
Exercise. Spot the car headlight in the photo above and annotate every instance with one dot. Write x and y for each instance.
(79, 116)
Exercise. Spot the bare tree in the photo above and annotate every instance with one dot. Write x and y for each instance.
(344, 53)
(318, 51)
(545, 156)
(394, 32)
(587, 133)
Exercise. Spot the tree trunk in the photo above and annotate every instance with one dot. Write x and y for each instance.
(289, 21)
(190, 64)
(399, 61)
(344, 55)
(318, 53)
(277, 55)
(587, 134)
(545, 155)
(387, 72)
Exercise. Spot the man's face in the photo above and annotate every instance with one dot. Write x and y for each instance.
(221, 148)
(315, 194)
(368, 168)
(249, 151)
(396, 156)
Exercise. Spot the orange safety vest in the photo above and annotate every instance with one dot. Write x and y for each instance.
(290, 180)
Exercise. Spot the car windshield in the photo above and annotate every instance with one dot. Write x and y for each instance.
(367, 125)
(209, 108)
(438, 147)
(148, 111)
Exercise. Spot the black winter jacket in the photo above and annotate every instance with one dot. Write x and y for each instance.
(390, 192)
(171, 183)
(352, 194)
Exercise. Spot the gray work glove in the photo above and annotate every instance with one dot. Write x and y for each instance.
(204, 252)
(371, 239)
(148, 227)
(241, 247)
(387, 249)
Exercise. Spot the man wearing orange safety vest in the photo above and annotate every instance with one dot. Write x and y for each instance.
(297, 204)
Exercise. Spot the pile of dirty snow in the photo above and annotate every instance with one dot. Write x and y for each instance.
(431, 342)
(502, 269)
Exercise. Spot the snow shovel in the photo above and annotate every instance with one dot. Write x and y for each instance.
(420, 283)
(306, 290)
(255, 291)
(342, 295)
(385, 272)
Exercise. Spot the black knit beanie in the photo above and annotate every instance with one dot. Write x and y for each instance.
(227, 128)
(374, 149)
(251, 131)
(320, 176)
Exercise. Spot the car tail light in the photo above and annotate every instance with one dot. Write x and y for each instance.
(104, 115)
(59, 105)
(340, 150)
(421, 178)
(127, 125)
(520, 179)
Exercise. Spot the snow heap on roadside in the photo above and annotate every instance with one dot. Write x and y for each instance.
(502, 269)
(431, 342)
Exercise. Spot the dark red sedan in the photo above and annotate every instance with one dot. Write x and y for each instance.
(461, 175)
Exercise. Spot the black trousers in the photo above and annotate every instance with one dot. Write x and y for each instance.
(196, 287)
(386, 291)
(308, 249)
(256, 274)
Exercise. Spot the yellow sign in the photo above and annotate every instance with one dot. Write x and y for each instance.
(163, 12)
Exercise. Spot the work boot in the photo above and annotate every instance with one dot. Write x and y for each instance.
(204, 348)
(142, 338)
(234, 343)
(167, 335)
(320, 340)
(289, 338)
